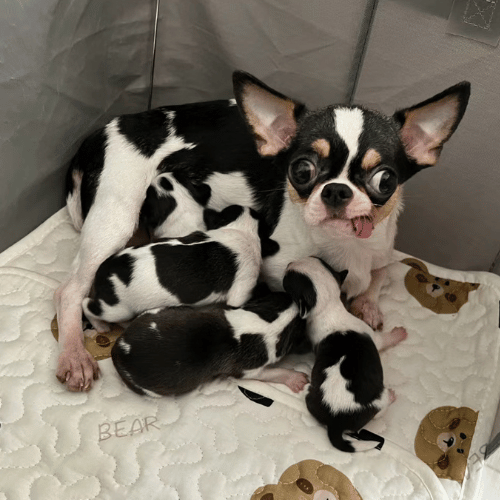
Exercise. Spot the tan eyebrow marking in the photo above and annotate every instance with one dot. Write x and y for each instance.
(371, 159)
(322, 147)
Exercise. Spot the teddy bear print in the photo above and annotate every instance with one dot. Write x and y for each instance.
(440, 295)
(444, 438)
(309, 480)
(98, 344)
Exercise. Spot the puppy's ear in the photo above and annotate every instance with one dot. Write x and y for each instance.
(271, 116)
(342, 276)
(302, 291)
(425, 127)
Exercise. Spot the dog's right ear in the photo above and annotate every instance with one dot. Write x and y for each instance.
(302, 291)
(271, 116)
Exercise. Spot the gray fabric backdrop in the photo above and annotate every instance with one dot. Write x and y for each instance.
(66, 67)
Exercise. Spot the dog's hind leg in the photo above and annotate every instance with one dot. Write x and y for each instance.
(110, 223)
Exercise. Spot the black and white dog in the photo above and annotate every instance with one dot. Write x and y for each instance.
(175, 350)
(347, 383)
(219, 265)
(326, 182)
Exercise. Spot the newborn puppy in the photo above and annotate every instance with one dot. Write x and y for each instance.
(219, 265)
(174, 206)
(175, 350)
(347, 387)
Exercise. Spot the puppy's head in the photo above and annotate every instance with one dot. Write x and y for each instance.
(346, 163)
(313, 284)
(234, 216)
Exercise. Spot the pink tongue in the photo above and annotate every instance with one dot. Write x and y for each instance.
(363, 226)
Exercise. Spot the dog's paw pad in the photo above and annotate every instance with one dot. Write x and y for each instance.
(297, 381)
(368, 311)
(77, 369)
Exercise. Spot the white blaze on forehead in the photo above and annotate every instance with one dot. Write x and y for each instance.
(349, 126)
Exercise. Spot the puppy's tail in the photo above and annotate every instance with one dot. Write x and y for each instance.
(352, 442)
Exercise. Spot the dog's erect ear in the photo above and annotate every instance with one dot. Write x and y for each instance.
(425, 127)
(302, 291)
(271, 116)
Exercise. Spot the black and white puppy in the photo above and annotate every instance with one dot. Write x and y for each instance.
(175, 350)
(326, 182)
(347, 383)
(219, 265)
(174, 206)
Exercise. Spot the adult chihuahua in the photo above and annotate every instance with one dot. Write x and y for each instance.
(326, 182)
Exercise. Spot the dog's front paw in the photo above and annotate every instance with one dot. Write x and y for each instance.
(297, 381)
(368, 311)
(77, 369)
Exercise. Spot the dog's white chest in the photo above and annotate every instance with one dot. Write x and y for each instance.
(294, 238)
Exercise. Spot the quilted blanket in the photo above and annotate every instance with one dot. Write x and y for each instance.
(246, 439)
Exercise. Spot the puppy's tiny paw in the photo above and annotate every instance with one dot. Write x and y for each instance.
(398, 334)
(297, 381)
(368, 311)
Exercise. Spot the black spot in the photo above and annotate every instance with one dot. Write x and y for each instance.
(156, 208)
(195, 237)
(215, 220)
(302, 290)
(95, 307)
(200, 192)
(147, 131)
(166, 184)
(267, 306)
(89, 161)
(193, 272)
(252, 351)
(462, 435)
(269, 247)
(117, 265)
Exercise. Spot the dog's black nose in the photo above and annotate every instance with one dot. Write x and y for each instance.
(336, 195)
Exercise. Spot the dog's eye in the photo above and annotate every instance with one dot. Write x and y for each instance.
(383, 182)
(302, 172)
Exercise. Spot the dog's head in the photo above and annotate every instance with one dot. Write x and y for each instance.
(346, 163)
(313, 284)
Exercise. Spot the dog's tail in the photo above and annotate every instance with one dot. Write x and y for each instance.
(352, 442)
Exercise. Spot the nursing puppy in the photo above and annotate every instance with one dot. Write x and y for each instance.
(175, 350)
(347, 384)
(174, 206)
(326, 182)
(219, 265)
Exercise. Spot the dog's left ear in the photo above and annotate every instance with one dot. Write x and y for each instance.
(271, 116)
(302, 290)
(425, 127)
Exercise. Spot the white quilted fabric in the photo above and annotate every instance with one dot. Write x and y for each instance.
(216, 443)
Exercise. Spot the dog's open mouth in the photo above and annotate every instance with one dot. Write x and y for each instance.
(363, 226)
